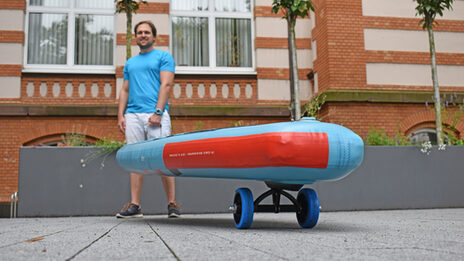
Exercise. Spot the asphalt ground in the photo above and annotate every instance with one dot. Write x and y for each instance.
(431, 234)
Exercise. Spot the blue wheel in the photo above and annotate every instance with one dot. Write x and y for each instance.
(243, 214)
(309, 214)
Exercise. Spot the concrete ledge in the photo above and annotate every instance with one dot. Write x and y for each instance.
(385, 96)
(112, 110)
(263, 111)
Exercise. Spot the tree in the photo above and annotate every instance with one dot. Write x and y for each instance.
(292, 9)
(428, 10)
(128, 7)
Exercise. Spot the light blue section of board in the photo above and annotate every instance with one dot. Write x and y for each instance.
(346, 152)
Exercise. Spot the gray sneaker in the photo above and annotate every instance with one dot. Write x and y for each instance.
(173, 210)
(130, 210)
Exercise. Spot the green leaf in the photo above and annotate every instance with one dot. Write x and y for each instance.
(275, 9)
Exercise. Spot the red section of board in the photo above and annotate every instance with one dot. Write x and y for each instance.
(276, 149)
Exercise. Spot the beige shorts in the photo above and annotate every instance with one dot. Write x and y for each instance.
(138, 129)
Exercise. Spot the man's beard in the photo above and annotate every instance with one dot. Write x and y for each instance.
(146, 46)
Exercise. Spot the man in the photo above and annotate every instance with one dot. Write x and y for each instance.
(143, 111)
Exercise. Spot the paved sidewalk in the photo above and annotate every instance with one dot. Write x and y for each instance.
(436, 234)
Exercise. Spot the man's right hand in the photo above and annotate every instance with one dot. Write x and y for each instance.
(122, 124)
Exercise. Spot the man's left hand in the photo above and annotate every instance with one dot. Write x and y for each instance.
(154, 120)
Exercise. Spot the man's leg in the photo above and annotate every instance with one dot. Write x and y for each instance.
(168, 182)
(158, 132)
(170, 188)
(136, 187)
(134, 133)
(132, 209)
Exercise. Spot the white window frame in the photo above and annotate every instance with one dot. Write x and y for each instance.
(211, 14)
(69, 67)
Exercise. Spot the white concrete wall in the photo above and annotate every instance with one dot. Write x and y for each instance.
(412, 41)
(12, 20)
(11, 53)
(277, 27)
(278, 58)
(413, 74)
(270, 89)
(10, 87)
(263, 2)
(406, 9)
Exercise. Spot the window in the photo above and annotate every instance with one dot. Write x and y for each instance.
(212, 34)
(423, 135)
(70, 36)
(427, 134)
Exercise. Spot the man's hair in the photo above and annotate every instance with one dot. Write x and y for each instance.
(152, 26)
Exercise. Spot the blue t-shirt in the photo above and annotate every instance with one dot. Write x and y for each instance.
(143, 73)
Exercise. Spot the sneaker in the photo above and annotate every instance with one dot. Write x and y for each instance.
(130, 210)
(173, 210)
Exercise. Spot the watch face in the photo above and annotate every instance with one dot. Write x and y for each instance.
(158, 112)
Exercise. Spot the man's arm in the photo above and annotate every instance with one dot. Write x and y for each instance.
(123, 98)
(167, 81)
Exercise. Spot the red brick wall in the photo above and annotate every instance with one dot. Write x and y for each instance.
(282, 43)
(392, 117)
(345, 44)
(8, 36)
(10, 70)
(319, 34)
(13, 5)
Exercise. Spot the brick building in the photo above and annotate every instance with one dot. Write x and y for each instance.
(61, 67)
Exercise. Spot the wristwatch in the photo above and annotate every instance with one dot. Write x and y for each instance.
(158, 111)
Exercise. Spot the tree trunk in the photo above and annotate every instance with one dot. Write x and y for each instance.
(293, 64)
(128, 34)
(435, 87)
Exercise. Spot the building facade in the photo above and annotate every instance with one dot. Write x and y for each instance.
(61, 66)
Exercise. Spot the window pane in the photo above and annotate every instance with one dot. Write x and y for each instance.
(190, 41)
(233, 42)
(95, 4)
(51, 3)
(94, 40)
(47, 39)
(189, 5)
(424, 135)
(232, 5)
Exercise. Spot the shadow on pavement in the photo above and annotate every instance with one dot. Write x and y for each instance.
(258, 224)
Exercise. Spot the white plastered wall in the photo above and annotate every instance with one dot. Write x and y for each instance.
(12, 20)
(278, 58)
(277, 27)
(263, 2)
(406, 9)
(10, 87)
(11, 53)
(413, 74)
(280, 89)
(412, 41)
